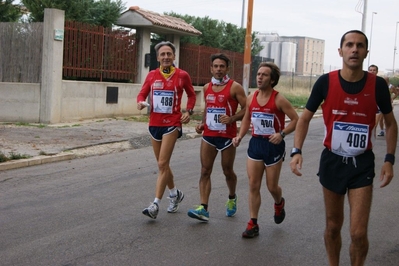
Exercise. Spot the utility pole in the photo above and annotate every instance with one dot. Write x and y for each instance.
(371, 34)
(363, 12)
(243, 13)
(394, 50)
(364, 18)
(247, 48)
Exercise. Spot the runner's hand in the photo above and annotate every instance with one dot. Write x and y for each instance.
(296, 164)
(386, 174)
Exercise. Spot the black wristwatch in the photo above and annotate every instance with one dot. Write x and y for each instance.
(282, 133)
(190, 111)
(295, 151)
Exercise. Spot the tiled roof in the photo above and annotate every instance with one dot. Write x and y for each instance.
(165, 20)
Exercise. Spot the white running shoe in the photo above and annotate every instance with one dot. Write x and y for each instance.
(174, 201)
(151, 211)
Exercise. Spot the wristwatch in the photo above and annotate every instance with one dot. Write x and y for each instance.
(190, 111)
(295, 151)
(282, 133)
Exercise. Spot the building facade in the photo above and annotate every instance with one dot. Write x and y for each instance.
(299, 55)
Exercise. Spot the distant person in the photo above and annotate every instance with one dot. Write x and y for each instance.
(349, 98)
(266, 109)
(165, 85)
(219, 125)
(373, 69)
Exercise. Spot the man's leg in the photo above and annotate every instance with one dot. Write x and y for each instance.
(360, 205)
(334, 208)
(228, 156)
(377, 122)
(272, 178)
(163, 152)
(255, 171)
(381, 123)
(208, 155)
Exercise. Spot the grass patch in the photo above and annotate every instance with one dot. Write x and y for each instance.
(13, 156)
(18, 156)
(138, 118)
(3, 158)
(196, 116)
(297, 101)
(22, 124)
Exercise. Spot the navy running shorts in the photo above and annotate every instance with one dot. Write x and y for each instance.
(260, 149)
(220, 143)
(158, 132)
(338, 174)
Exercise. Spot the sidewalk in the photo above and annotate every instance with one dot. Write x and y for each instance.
(68, 141)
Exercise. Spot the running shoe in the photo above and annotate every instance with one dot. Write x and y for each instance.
(279, 212)
(199, 213)
(231, 207)
(151, 211)
(174, 201)
(381, 134)
(251, 231)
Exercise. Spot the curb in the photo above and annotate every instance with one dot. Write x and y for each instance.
(72, 154)
(35, 161)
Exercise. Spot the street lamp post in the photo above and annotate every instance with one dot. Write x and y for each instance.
(242, 15)
(394, 50)
(371, 34)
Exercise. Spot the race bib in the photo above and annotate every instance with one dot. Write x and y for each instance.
(349, 139)
(213, 118)
(163, 101)
(262, 123)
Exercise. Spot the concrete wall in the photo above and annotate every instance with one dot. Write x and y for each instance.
(20, 102)
(87, 100)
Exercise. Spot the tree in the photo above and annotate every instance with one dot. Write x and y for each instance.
(105, 12)
(218, 34)
(9, 12)
(101, 12)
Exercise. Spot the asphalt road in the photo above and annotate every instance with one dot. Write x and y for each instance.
(88, 212)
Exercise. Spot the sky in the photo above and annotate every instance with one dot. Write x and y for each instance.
(320, 19)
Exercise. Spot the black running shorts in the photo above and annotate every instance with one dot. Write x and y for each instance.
(260, 149)
(220, 143)
(158, 132)
(338, 174)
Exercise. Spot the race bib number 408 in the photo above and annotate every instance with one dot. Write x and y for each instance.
(349, 139)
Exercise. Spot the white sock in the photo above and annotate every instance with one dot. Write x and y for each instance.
(157, 201)
(173, 192)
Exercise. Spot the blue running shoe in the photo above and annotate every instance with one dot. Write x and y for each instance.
(199, 213)
(231, 207)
